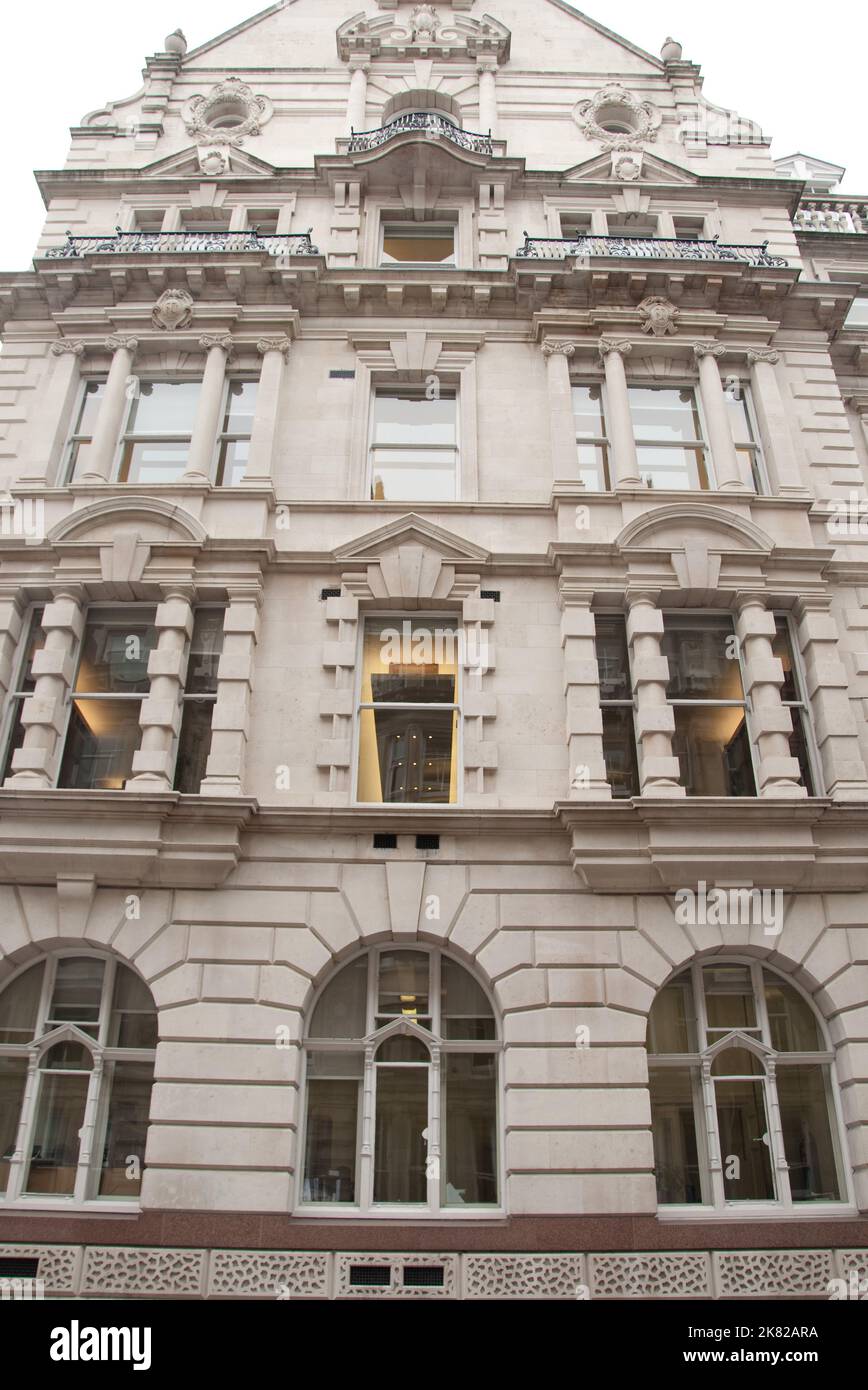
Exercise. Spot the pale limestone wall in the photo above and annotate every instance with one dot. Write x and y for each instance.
(229, 968)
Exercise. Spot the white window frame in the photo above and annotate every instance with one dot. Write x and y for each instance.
(15, 693)
(416, 231)
(127, 436)
(422, 619)
(96, 1105)
(651, 384)
(603, 441)
(225, 436)
(365, 1208)
(74, 438)
(803, 704)
(622, 704)
(184, 698)
(387, 388)
(381, 210)
(705, 1112)
(760, 473)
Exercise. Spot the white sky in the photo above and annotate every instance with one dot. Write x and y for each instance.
(796, 68)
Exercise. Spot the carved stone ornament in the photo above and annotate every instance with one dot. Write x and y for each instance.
(173, 309)
(423, 33)
(627, 167)
(227, 115)
(615, 105)
(659, 315)
(214, 160)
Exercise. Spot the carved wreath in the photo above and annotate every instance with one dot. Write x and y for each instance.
(640, 115)
(253, 112)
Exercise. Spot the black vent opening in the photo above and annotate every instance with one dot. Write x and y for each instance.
(370, 1276)
(493, 594)
(424, 1277)
(385, 842)
(330, 593)
(427, 841)
(340, 375)
(18, 1268)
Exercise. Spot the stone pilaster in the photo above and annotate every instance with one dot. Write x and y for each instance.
(357, 101)
(486, 70)
(659, 770)
(771, 722)
(584, 717)
(828, 691)
(774, 429)
(275, 355)
(727, 473)
(44, 714)
(224, 773)
(160, 718)
(565, 457)
(56, 399)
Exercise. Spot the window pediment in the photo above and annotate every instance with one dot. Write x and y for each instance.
(424, 32)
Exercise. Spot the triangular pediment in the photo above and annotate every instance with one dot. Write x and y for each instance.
(193, 161)
(601, 169)
(407, 531)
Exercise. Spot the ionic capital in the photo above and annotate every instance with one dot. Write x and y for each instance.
(117, 341)
(554, 349)
(715, 350)
(620, 345)
(72, 345)
(208, 341)
(763, 355)
(281, 345)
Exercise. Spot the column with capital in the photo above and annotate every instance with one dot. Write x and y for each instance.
(357, 102)
(111, 412)
(659, 769)
(619, 422)
(275, 355)
(774, 429)
(771, 723)
(202, 444)
(160, 719)
(727, 473)
(56, 394)
(44, 714)
(565, 454)
(486, 70)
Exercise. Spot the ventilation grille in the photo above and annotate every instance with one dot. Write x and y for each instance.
(424, 1276)
(330, 593)
(427, 841)
(342, 376)
(385, 842)
(370, 1276)
(493, 594)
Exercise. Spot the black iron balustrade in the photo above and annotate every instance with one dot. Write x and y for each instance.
(646, 248)
(196, 243)
(430, 123)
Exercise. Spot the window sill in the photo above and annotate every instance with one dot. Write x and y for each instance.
(759, 1212)
(404, 1214)
(38, 1207)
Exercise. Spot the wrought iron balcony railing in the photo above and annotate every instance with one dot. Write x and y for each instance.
(430, 123)
(188, 243)
(843, 215)
(645, 248)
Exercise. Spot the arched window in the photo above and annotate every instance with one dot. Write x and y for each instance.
(742, 1085)
(77, 1041)
(402, 1087)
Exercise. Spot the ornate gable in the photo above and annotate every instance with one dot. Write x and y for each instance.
(425, 31)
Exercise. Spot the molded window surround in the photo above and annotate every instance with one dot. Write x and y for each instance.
(383, 212)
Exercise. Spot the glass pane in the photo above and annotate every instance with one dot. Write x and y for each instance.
(805, 1102)
(744, 1141)
(406, 417)
(336, 1066)
(400, 475)
(792, 1023)
(431, 245)
(464, 1009)
(729, 997)
(749, 469)
(123, 1151)
(154, 463)
(77, 993)
(469, 1129)
(400, 1151)
(678, 469)
(703, 659)
(330, 1144)
(55, 1145)
(403, 985)
(80, 454)
(206, 645)
(798, 742)
(194, 745)
(19, 1006)
(410, 663)
(133, 1020)
(739, 418)
(594, 467)
(673, 1124)
(35, 643)
(403, 1049)
(737, 1061)
(115, 649)
(408, 756)
(67, 1056)
(164, 407)
(232, 462)
(663, 414)
(240, 407)
(341, 1010)
(619, 750)
(16, 738)
(89, 410)
(102, 737)
(712, 746)
(782, 648)
(672, 1020)
(13, 1077)
(613, 661)
(588, 412)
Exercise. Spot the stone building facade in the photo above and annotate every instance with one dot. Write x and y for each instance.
(434, 648)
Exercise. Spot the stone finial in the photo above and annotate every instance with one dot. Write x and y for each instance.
(175, 43)
(671, 51)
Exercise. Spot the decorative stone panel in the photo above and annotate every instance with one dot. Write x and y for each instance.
(59, 1265)
(772, 1273)
(347, 1264)
(651, 1276)
(261, 1274)
(115, 1269)
(523, 1276)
